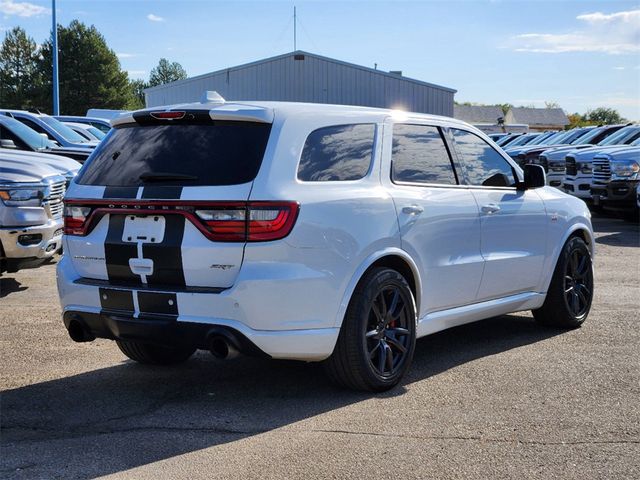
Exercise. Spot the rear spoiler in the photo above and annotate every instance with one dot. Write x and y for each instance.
(175, 114)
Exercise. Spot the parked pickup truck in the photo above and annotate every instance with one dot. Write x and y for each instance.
(616, 176)
(30, 214)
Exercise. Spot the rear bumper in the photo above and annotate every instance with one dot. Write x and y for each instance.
(165, 330)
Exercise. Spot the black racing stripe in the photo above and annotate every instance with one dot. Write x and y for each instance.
(120, 300)
(120, 192)
(117, 253)
(167, 255)
(151, 303)
(162, 192)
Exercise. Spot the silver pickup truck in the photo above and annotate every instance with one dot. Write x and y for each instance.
(30, 213)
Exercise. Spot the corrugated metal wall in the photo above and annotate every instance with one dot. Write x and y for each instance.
(314, 79)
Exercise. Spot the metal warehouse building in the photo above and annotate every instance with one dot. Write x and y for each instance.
(305, 77)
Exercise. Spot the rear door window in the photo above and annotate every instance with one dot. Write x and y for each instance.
(214, 153)
(483, 164)
(419, 155)
(337, 153)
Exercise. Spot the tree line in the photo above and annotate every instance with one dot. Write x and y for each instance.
(597, 116)
(89, 72)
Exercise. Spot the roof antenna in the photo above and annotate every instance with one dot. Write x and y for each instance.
(295, 25)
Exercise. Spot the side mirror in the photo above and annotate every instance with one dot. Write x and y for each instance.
(534, 177)
(7, 143)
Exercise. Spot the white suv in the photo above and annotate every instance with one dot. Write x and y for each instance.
(311, 232)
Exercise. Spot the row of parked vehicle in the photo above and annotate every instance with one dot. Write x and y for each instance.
(600, 165)
(39, 156)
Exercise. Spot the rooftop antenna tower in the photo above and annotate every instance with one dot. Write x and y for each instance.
(295, 25)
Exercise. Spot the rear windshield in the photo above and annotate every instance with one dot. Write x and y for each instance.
(215, 153)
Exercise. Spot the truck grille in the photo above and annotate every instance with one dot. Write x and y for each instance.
(542, 160)
(601, 171)
(56, 193)
(570, 166)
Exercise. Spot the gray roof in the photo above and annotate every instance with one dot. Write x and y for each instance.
(301, 52)
(477, 114)
(537, 116)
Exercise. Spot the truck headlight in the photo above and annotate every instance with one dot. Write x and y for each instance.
(22, 197)
(624, 168)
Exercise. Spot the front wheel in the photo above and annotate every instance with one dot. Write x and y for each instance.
(571, 290)
(154, 354)
(377, 339)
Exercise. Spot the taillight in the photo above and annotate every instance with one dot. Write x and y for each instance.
(218, 221)
(251, 222)
(75, 218)
(225, 224)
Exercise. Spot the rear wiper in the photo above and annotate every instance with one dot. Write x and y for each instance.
(165, 177)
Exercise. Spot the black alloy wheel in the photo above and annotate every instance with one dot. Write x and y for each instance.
(578, 283)
(378, 335)
(570, 292)
(387, 335)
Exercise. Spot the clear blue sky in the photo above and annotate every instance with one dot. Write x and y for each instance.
(580, 54)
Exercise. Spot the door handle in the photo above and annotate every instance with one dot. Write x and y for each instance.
(413, 210)
(490, 208)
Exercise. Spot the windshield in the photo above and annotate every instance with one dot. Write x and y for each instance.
(556, 138)
(624, 135)
(63, 130)
(506, 139)
(96, 133)
(586, 138)
(26, 134)
(523, 140)
(542, 139)
(575, 134)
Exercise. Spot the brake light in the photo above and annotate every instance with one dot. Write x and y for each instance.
(168, 115)
(75, 218)
(252, 222)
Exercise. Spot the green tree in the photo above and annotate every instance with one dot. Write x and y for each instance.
(19, 76)
(604, 116)
(166, 72)
(89, 72)
(137, 87)
(576, 120)
(505, 107)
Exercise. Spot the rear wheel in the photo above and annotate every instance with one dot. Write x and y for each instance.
(571, 290)
(377, 339)
(154, 354)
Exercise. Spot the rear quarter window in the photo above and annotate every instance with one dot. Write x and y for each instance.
(337, 153)
(212, 154)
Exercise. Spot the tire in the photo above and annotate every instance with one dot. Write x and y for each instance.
(153, 354)
(378, 335)
(570, 293)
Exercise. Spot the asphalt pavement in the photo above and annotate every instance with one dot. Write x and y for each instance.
(501, 398)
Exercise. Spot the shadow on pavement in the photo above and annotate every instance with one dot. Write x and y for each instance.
(130, 415)
(620, 239)
(10, 285)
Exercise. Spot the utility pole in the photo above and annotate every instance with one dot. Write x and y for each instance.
(295, 25)
(56, 91)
